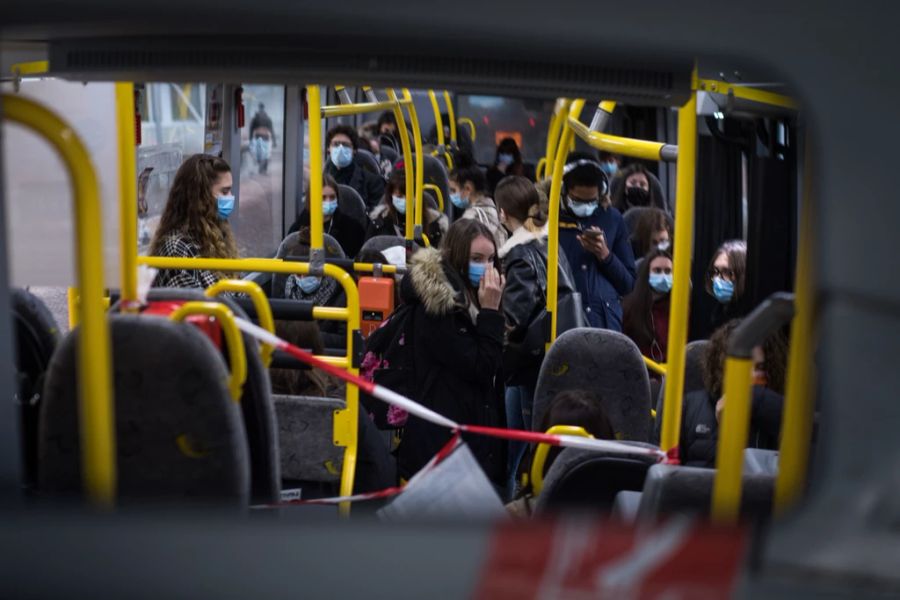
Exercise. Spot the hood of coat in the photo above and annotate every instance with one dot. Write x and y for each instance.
(520, 237)
(429, 283)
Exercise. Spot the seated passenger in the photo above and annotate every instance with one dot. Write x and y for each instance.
(635, 189)
(578, 408)
(194, 223)
(341, 143)
(321, 291)
(701, 409)
(652, 230)
(467, 195)
(610, 163)
(300, 382)
(347, 231)
(646, 308)
(507, 161)
(389, 217)
(725, 282)
(457, 345)
(594, 238)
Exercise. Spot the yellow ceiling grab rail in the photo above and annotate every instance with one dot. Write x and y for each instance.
(621, 145)
(439, 128)
(470, 124)
(746, 93)
(450, 117)
(540, 454)
(95, 407)
(260, 303)
(236, 356)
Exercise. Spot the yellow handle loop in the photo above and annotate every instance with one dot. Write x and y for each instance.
(540, 455)
(540, 168)
(260, 303)
(470, 123)
(232, 337)
(438, 194)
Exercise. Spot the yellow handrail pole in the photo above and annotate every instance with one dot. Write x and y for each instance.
(681, 284)
(539, 169)
(746, 93)
(344, 110)
(127, 194)
(643, 149)
(654, 366)
(438, 194)
(553, 222)
(450, 116)
(420, 162)
(260, 303)
(553, 132)
(472, 131)
(796, 427)
(236, 355)
(72, 304)
(35, 67)
(438, 121)
(733, 432)
(96, 416)
(316, 168)
(540, 454)
(407, 160)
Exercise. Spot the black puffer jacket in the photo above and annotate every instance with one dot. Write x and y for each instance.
(700, 430)
(369, 185)
(524, 257)
(458, 352)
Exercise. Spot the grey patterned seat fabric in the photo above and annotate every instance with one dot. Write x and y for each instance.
(436, 174)
(603, 361)
(589, 479)
(290, 246)
(368, 161)
(352, 205)
(678, 490)
(179, 435)
(379, 243)
(257, 408)
(694, 359)
(306, 438)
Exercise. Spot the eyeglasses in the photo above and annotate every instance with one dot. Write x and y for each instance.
(716, 272)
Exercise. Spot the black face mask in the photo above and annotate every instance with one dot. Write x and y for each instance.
(637, 196)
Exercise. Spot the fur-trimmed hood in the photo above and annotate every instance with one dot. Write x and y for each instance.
(520, 237)
(429, 283)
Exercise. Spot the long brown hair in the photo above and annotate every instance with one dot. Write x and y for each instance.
(774, 348)
(192, 210)
(637, 305)
(456, 248)
(519, 199)
(736, 250)
(649, 222)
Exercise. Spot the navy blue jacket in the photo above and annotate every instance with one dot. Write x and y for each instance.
(601, 284)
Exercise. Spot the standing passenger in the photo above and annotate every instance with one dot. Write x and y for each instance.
(457, 331)
(467, 195)
(646, 309)
(341, 143)
(194, 223)
(725, 282)
(594, 238)
(635, 189)
(508, 161)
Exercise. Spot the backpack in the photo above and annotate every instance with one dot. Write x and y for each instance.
(389, 361)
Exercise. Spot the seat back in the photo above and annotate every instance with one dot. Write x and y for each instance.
(688, 490)
(657, 196)
(368, 161)
(603, 361)
(179, 435)
(257, 407)
(306, 438)
(352, 205)
(590, 479)
(35, 338)
(436, 174)
(291, 246)
(694, 360)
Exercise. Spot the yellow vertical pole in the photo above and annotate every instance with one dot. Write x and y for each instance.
(553, 219)
(681, 285)
(796, 428)
(72, 304)
(127, 193)
(438, 121)
(557, 120)
(95, 406)
(450, 116)
(316, 167)
(420, 160)
(733, 432)
(407, 159)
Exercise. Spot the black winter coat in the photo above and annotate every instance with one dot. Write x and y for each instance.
(348, 232)
(369, 185)
(700, 430)
(524, 298)
(458, 353)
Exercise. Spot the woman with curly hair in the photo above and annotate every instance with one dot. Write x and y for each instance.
(194, 223)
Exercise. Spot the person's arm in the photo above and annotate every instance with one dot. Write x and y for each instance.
(520, 298)
(618, 267)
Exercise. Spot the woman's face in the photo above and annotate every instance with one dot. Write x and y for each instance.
(722, 268)
(222, 185)
(329, 194)
(661, 265)
(481, 251)
(637, 180)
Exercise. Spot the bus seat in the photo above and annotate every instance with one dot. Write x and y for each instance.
(436, 174)
(674, 489)
(368, 161)
(625, 506)
(657, 196)
(590, 479)
(379, 243)
(694, 359)
(180, 435)
(388, 153)
(352, 205)
(306, 438)
(760, 462)
(35, 338)
(257, 407)
(291, 246)
(601, 360)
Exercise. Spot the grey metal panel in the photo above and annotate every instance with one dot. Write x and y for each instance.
(293, 155)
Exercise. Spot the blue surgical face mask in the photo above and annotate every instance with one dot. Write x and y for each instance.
(583, 209)
(309, 284)
(476, 272)
(399, 204)
(661, 282)
(261, 148)
(505, 159)
(723, 289)
(609, 168)
(328, 207)
(459, 202)
(225, 206)
(341, 156)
